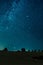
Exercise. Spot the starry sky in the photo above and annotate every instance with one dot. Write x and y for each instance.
(21, 24)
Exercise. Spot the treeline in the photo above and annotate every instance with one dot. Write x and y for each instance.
(24, 50)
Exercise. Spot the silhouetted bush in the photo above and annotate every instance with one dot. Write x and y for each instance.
(5, 49)
(38, 57)
(23, 49)
(18, 51)
(42, 50)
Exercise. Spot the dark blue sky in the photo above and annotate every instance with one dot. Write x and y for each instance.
(21, 24)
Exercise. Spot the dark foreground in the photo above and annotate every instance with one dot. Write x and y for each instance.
(21, 58)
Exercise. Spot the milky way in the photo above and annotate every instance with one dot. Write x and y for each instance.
(21, 24)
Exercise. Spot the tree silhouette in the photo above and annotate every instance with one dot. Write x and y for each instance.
(35, 50)
(32, 50)
(23, 49)
(39, 50)
(5, 49)
(28, 50)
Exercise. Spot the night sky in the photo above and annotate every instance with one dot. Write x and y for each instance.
(21, 24)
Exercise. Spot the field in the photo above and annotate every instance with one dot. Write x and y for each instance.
(20, 58)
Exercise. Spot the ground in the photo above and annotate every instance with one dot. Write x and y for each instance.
(20, 58)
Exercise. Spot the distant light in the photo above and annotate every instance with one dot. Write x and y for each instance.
(14, 48)
(7, 27)
(26, 49)
(27, 16)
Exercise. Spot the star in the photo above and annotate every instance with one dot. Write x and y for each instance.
(27, 16)
(7, 28)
